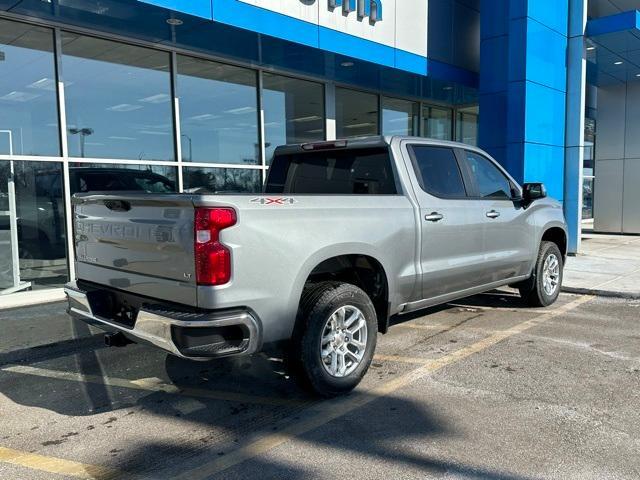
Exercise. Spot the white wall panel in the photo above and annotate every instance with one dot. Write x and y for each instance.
(383, 32)
(403, 25)
(411, 26)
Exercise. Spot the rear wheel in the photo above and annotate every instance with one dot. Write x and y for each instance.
(334, 340)
(543, 288)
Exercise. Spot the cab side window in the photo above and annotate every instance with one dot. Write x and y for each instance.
(438, 171)
(490, 181)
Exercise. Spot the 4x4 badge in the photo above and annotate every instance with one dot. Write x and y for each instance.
(274, 200)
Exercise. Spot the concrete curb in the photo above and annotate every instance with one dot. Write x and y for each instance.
(602, 293)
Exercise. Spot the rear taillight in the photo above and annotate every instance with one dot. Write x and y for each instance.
(213, 259)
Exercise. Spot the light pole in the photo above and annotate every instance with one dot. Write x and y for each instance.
(83, 132)
(190, 146)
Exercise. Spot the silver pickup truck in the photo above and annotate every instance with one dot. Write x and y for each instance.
(346, 235)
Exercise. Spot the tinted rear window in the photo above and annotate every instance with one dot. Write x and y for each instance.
(366, 171)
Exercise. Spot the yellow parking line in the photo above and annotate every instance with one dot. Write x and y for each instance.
(153, 385)
(331, 410)
(59, 465)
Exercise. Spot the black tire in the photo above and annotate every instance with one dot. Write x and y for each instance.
(304, 360)
(532, 291)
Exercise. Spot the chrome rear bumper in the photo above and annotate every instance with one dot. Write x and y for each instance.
(156, 327)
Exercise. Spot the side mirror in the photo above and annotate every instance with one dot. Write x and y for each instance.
(533, 191)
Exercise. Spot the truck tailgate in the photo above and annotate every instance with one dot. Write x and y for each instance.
(141, 243)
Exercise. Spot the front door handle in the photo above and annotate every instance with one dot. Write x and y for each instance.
(493, 214)
(434, 217)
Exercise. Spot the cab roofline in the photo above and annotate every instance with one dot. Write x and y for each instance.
(363, 142)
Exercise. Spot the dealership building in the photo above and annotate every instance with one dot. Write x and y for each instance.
(195, 95)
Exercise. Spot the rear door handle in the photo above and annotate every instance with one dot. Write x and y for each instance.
(434, 217)
(493, 214)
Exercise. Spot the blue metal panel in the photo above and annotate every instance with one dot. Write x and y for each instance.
(547, 167)
(145, 21)
(544, 115)
(493, 121)
(522, 88)
(513, 161)
(614, 23)
(546, 55)
(198, 8)
(535, 114)
(517, 107)
(494, 52)
(494, 20)
(411, 62)
(518, 54)
(552, 13)
(448, 72)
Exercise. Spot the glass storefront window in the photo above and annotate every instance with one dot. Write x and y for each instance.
(118, 100)
(222, 180)
(28, 102)
(293, 111)
(467, 125)
(218, 112)
(35, 189)
(437, 122)
(400, 117)
(356, 113)
(96, 177)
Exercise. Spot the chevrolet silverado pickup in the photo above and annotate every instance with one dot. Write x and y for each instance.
(346, 235)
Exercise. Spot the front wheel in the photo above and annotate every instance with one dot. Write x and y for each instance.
(543, 288)
(335, 338)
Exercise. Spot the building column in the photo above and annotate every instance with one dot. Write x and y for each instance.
(576, 98)
(523, 88)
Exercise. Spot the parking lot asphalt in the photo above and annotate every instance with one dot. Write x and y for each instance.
(483, 388)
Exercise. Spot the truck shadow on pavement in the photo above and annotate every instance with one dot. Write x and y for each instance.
(186, 406)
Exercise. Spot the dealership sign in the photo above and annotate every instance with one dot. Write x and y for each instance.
(365, 8)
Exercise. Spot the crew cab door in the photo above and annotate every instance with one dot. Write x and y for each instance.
(452, 250)
(508, 234)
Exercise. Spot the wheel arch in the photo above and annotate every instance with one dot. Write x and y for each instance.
(358, 267)
(558, 235)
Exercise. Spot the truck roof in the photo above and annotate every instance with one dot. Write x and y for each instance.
(371, 141)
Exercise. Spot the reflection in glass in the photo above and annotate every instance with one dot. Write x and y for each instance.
(28, 105)
(356, 113)
(467, 125)
(587, 198)
(400, 117)
(218, 112)
(437, 122)
(39, 210)
(99, 177)
(222, 180)
(118, 100)
(293, 111)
